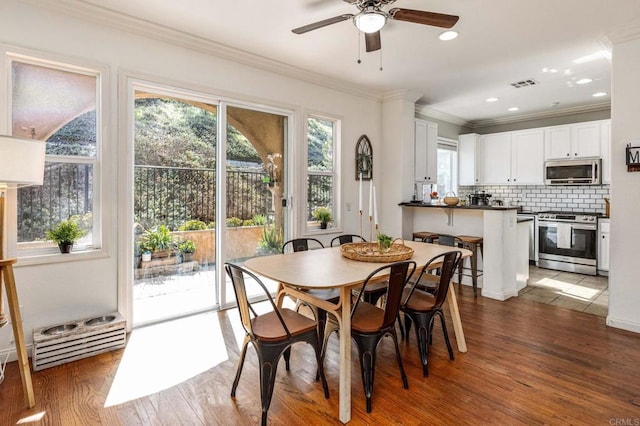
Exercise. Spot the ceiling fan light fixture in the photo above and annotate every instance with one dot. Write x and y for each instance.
(448, 35)
(370, 20)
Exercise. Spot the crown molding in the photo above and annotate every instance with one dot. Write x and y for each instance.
(432, 113)
(539, 115)
(406, 95)
(97, 14)
(624, 34)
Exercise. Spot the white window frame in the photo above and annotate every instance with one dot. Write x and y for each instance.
(51, 254)
(450, 145)
(336, 193)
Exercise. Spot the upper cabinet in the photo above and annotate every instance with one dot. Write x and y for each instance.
(513, 158)
(573, 141)
(468, 164)
(527, 157)
(426, 151)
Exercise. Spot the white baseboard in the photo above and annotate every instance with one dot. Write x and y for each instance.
(623, 324)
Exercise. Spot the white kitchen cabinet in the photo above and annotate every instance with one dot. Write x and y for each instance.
(468, 153)
(603, 245)
(495, 157)
(573, 141)
(426, 151)
(527, 157)
(513, 158)
(605, 150)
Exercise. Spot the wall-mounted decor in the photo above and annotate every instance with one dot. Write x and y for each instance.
(633, 158)
(364, 158)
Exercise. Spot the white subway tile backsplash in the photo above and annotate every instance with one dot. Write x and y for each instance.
(541, 197)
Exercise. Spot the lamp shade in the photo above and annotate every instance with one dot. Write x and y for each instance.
(21, 161)
(370, 21)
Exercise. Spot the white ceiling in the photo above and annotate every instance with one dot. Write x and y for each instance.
(500, 42)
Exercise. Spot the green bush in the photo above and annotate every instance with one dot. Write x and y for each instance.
(187, 246)
(247, 222)
(259, 220)
(211, 225)
(234, 222)
(193, 225)
(158, 239)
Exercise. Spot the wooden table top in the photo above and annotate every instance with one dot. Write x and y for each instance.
(327, 268)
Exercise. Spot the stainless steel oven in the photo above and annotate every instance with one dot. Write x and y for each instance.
(568, 241)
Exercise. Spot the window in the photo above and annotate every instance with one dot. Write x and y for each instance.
(322, 146)
(447, 166)
(57, 104)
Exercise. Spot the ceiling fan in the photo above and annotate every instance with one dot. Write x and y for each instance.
(372, 18)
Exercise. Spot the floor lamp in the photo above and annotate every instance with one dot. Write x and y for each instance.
(21, 164)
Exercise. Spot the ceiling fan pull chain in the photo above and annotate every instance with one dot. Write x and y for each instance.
(380, 59)
(359, 47)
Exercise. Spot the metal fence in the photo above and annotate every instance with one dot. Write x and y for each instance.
(162, 195)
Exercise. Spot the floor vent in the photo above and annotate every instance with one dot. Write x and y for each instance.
(62, 343)
(525, 83)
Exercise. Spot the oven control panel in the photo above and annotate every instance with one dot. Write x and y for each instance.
(567, 217)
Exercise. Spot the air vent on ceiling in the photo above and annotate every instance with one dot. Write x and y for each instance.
(525, 83)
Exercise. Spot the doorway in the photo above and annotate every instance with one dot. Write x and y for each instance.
(207, 188)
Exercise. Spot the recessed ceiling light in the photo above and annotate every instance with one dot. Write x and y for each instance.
(448, 35)
(584, 81)
(492, 99)
(599, 94)
(555, 104)
(514, 109)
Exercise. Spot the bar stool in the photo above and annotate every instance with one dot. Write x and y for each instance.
(471, 243)
(425, 236)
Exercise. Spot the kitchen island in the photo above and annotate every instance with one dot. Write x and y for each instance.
(501, 259)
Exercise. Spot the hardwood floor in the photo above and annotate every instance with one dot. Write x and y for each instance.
(528, 364)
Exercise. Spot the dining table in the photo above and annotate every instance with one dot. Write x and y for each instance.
(326, 269)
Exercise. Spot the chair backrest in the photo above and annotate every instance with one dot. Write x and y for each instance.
(447, 263)
(449, 240)
(399, 275)
(237, 273)
(346, 238)
(300, 244)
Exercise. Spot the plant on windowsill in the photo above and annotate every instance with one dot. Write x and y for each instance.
(322, 215)
(65, 234)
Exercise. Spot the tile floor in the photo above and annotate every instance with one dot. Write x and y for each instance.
(583, 293)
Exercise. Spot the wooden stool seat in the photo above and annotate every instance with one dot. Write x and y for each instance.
(425, 236)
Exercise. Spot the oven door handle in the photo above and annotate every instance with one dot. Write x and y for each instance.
(585, 227)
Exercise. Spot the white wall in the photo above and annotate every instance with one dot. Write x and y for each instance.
(52, 293)
(624, 282)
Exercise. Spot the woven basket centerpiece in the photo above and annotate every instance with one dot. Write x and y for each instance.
(370, 252)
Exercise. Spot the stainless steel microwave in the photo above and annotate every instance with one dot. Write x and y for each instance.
(579, 171)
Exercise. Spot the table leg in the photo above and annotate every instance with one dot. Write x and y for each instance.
(455, 316)
(345, 355)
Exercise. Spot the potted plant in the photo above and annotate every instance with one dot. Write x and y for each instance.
(271, 241)
(186, 249)
(65, 234)
(159, 241)
(322, 215)
(384, 242)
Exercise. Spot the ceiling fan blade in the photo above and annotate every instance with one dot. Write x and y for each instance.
(320, 24)
(372, 41)
(423, 17)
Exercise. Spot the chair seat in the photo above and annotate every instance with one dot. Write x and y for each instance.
(367, 318)
(420, 300)
(424, 235)
(267, 327)
(470, 239)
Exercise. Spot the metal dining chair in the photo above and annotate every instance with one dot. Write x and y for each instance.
(347, 238)
(272, 335)
(422, 307)
(370, 323)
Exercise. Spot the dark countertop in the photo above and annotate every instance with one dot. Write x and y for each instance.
(443, 206)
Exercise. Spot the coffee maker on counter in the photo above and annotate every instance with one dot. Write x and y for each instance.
(479, 199)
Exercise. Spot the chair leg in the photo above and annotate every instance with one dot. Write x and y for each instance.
(287, 357)
(423, 335)
(268, 356)
(319, 360)
(245, 344)
(446, 334)
(474, 268)
(394, 336)
(407, 325)
(367, 351)
(330, 327)
(400, 325)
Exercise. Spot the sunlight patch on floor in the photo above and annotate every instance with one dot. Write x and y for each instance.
(163, 355)
(582, 293)
(34, 418)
